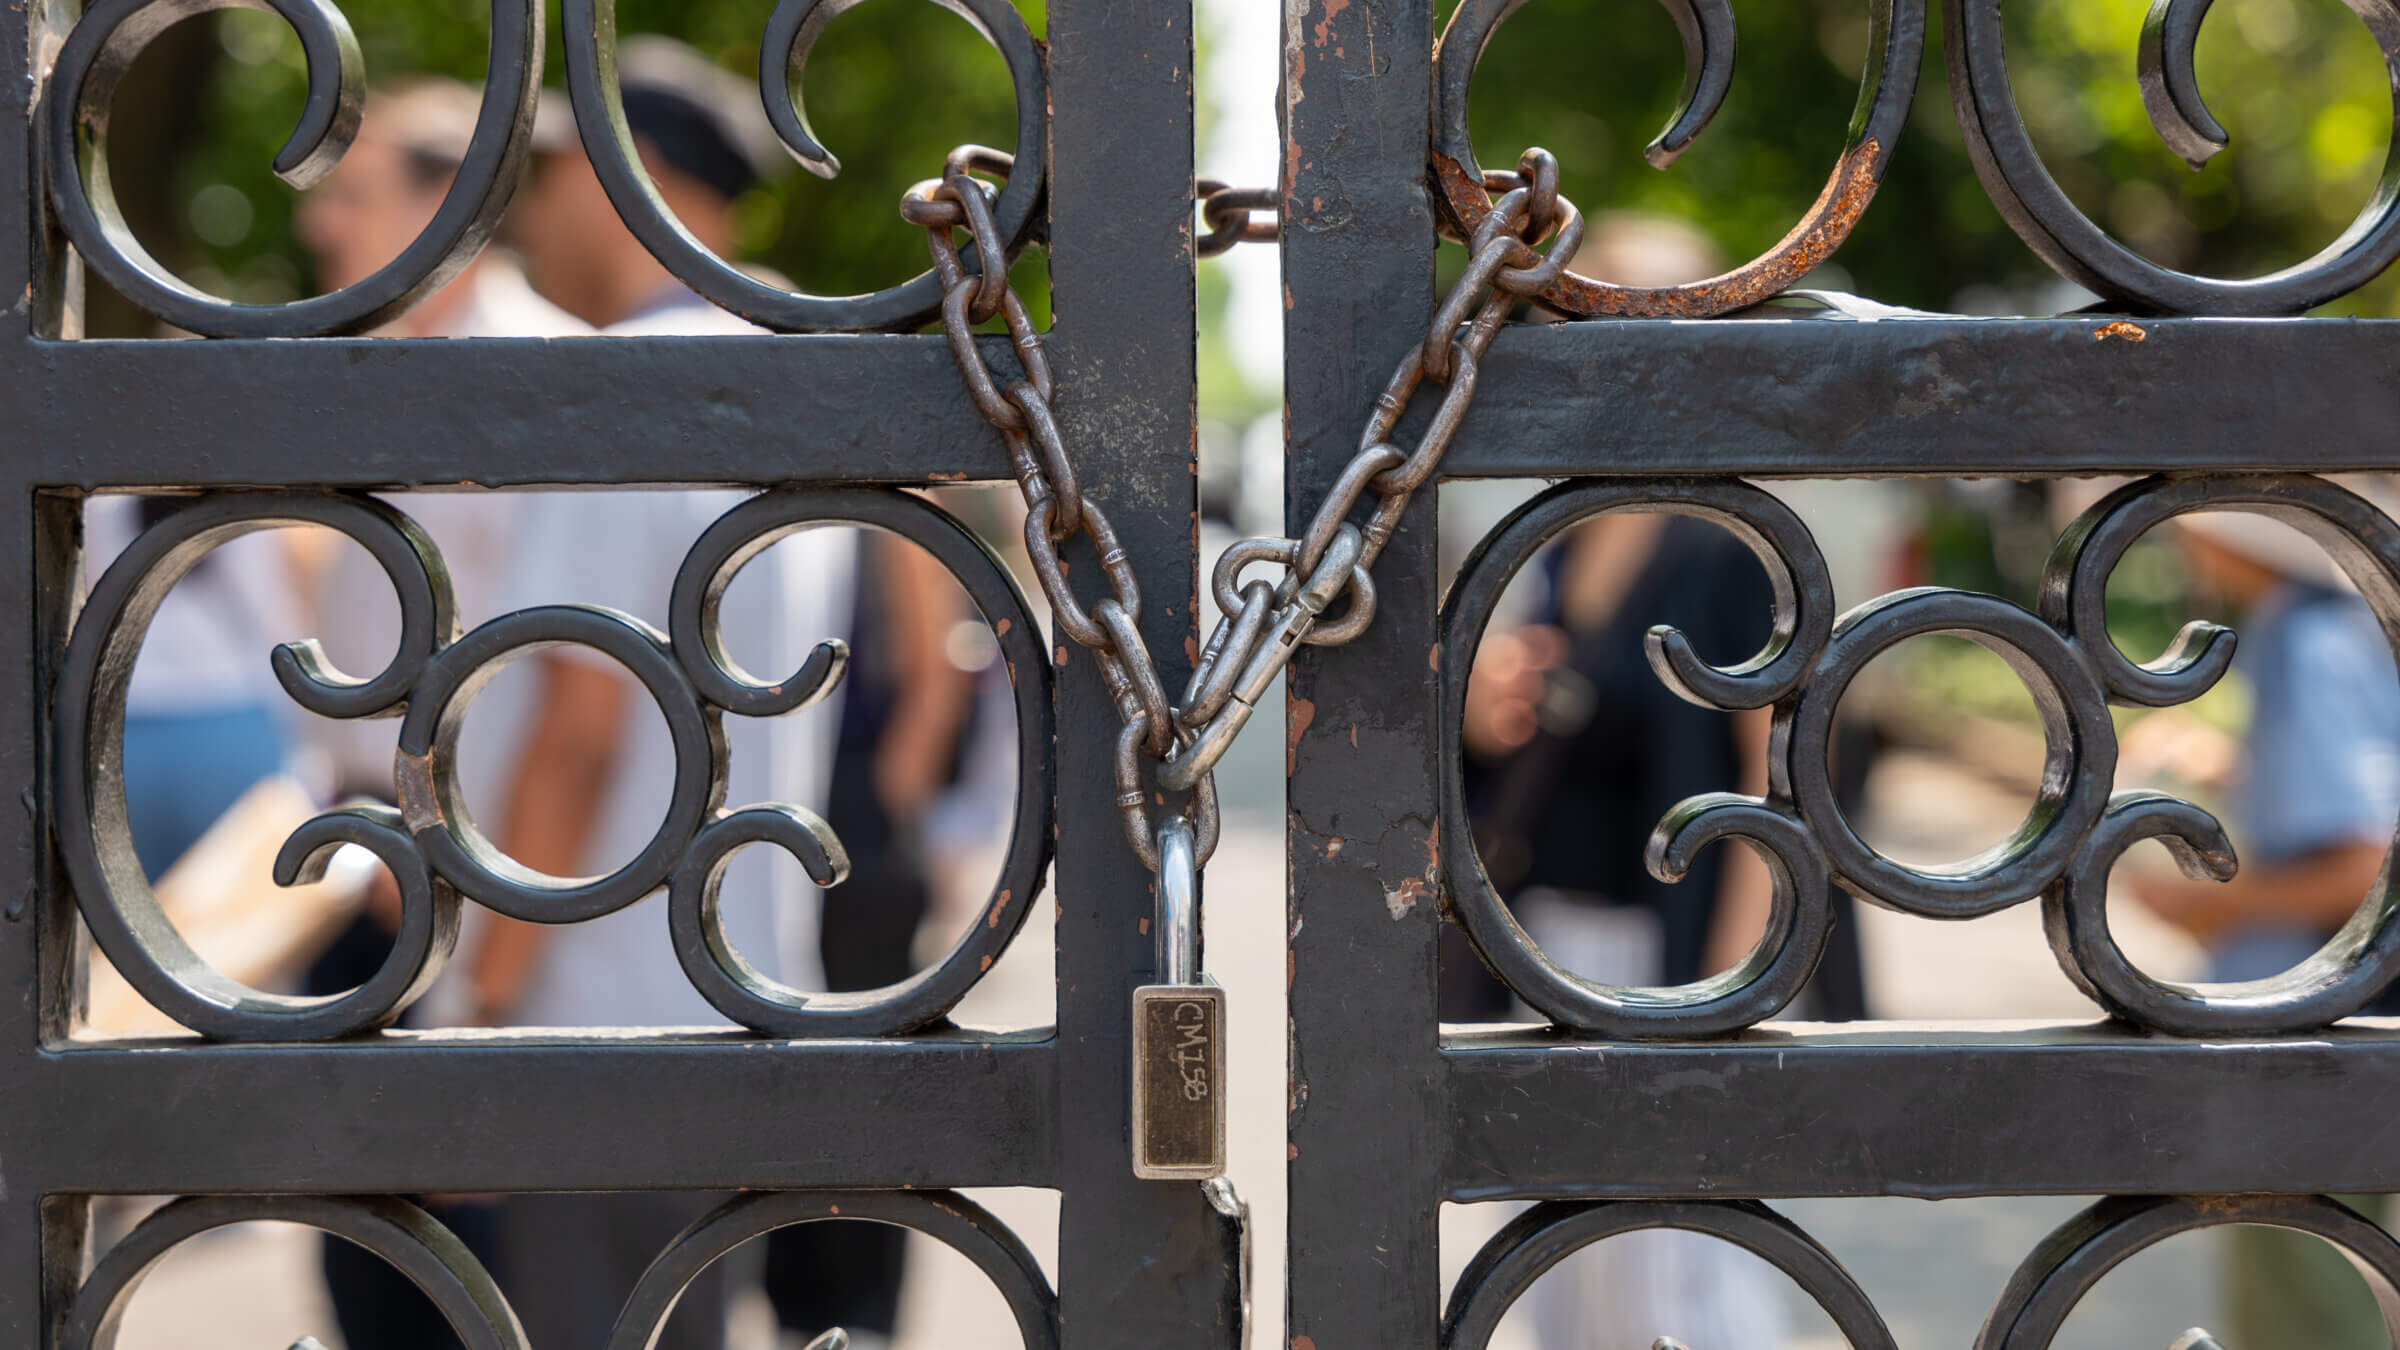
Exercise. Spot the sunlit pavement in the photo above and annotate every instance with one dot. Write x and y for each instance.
(1932, 1268)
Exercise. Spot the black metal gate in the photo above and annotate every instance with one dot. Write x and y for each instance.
(880, 1097)
(1634, 1111)
(2197, 1108)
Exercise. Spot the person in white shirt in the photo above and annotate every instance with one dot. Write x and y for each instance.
(592, 778)
(381, 196)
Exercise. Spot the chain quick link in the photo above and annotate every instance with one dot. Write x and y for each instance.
(1263, 623)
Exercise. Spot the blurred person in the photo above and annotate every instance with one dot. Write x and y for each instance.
(582, 791)
(2314, 799)
(378, 199)
(1575, 750)
(205, 719)
(906, 713)
(386, 190)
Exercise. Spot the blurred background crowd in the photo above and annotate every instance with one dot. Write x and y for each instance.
(1574, 749)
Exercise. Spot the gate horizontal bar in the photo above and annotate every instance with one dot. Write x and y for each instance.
(1922, 1110)
(1842, 398)
(476, 1111)
(371, 412)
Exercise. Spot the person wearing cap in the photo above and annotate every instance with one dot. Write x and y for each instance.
(379, 198)
(2313, 807)
(590, 779)
(704, 141)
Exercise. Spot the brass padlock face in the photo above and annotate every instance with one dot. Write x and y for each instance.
(1178, 1082)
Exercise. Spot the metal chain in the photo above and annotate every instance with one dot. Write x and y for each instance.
(1231, 215)
(1264, 623)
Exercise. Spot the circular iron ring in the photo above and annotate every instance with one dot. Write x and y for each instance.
(436, 812)
(946, 1217)
(406, 1237)
(2072, 1259)
(1549, 1233)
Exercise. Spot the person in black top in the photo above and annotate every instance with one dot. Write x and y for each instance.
(1575, 752)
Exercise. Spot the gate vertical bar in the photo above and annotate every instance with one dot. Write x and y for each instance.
(35, 936)
(1364, 924)
(1141, 1262)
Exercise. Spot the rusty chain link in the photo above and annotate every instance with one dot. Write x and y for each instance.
(1263, 623)
(1231, 215)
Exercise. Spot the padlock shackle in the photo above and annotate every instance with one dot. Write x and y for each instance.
(1178, 921)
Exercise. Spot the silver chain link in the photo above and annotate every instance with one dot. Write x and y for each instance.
(1263, 623)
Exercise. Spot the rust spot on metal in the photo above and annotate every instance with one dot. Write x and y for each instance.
(1000, 629)
(1324, 26)
(999, 907)
(1303, 712)
(987, 963)
(1810, 243)
(420, 804)
(958, 477)
(2121, 329)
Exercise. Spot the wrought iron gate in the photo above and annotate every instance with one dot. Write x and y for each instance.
(1621, 1115)
(877, 1096)
(1634, 1112)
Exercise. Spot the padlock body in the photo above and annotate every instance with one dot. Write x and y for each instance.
(1178, 1082)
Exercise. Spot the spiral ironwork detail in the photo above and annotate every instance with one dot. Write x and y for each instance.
(1549, 1233)
(2061, 853)
(791, 33)
(1894, 50)
(2079, 249)
(103, 46)
(404, 1236)
(431, 843)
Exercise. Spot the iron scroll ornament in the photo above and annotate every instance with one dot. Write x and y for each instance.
(2079, 1253)
(1797, 925)
(791, 32)
(1540, 1238)
(432, 845)
(1895, 48)
(2063, 851)
(945, 1216)
(103, 46)
(2069, 241)
(94, 838)
(401, 1234)
(2363, 957)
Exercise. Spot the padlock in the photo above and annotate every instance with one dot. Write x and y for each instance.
(1178, 1032)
